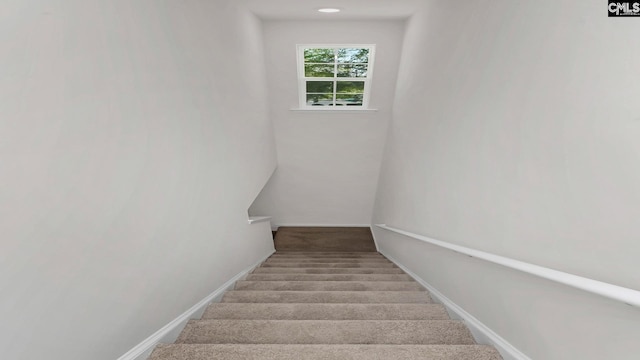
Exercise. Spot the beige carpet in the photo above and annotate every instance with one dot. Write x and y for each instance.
(331, 303)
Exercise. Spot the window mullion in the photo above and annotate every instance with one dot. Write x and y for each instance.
(350, 79)
(335, 75)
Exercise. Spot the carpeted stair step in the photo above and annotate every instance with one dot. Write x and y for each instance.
(329, 260)
(306, 270)
(327, 256)
(325, 332)
(327, 253)
(338, 302)
(244, 311)
(330, 285)
(328, 277)
(324, 352)
(366, 297)
(330, 265)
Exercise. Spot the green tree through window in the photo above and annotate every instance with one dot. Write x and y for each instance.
(335, 76)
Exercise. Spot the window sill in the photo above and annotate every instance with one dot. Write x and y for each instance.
(315, 110)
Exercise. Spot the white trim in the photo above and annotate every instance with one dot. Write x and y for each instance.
(628, 296)
(375, 241)
(170, 332)
(482, 334)
(302, 78)
(258, 219)
(334, 109)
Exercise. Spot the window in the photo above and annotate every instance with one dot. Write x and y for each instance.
(332, 77)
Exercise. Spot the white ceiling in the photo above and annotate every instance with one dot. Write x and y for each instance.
(351, 9)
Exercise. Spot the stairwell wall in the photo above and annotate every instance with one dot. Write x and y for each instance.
(328, 162)
(133, 138)
(515, 131)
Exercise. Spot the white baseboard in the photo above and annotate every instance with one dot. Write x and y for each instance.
(373, 234)
(482, 334)
(169, 333)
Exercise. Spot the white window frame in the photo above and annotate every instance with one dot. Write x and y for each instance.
(302, 79)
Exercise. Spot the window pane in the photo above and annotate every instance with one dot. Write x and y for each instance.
(318, 70)
(359, 70)
(353, 55)
(320, 86)
(319, 56)
(348, 100)
(320, 99)
(350, 87)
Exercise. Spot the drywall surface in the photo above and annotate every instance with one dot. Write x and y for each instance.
(328, 162)
(515, 131)
(128, 161)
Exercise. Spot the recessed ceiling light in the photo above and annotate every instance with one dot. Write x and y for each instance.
(329, 10)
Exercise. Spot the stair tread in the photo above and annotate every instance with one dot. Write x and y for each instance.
(311, 270)
(326, 332)
(266, 296)
(296, 264)
(327, 260)
(328, 277)
(330, 285)
(290, 252)
(310, 311)
(279, 255)
(323, 352)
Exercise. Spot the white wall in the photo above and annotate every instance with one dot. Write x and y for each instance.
(128, 159)
(515, 131)
(328, 162)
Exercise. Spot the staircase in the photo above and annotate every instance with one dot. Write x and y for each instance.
(322, 305)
